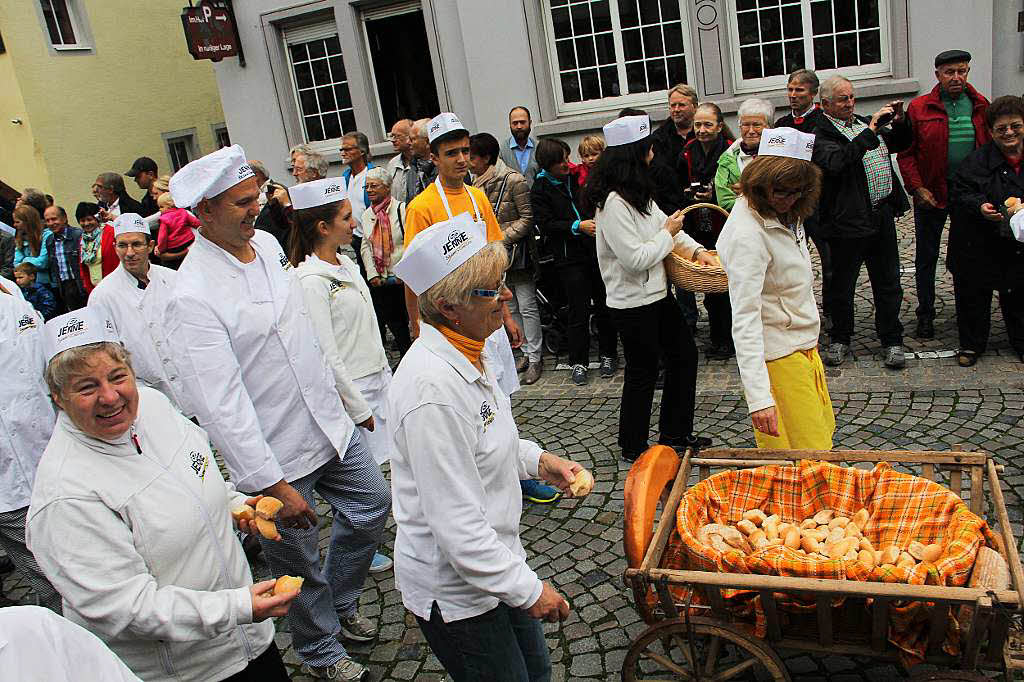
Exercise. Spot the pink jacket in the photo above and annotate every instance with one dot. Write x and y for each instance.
(176, 228)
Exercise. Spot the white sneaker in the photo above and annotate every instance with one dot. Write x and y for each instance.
(345, 669)
(357, 628)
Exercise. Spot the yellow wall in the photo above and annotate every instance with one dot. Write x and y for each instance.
(89, 112)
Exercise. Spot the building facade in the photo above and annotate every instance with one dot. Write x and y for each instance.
(320, 67)
(89, 85)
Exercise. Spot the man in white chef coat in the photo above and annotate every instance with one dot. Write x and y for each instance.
(256, 379)
(134, 297)
(26, 422)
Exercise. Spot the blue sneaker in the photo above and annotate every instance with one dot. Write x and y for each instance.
(535, 491)
(380, 563)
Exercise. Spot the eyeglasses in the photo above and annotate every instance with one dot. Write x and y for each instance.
(349, 149)
(494, 294)
(1015, 127)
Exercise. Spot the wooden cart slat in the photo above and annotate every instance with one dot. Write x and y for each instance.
(902, 456)
(771, 615)
(979, 629)
(667, 524)
(938, 623)
(824, 613)
(879, 624)
(1012, 556)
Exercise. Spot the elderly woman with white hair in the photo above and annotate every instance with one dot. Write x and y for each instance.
(755, 116)
(383, 242)
(459, 561)
(130, 520)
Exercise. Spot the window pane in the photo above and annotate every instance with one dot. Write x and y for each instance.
(867, 13)
(332, 126)
(585, 52)
(750, 62)
(821, 17)
(348, 121)
(746, 24)
(314, 129)
(824, 53)
(566, 55)
(67, 32)
(870, 47)
(846, 50)
(298, 52)
(650, 13)
(610, 82)
(560, 23)
(605, 49)
(342, 97)
(676, 70)
(636, 76)
(570, 87)
(316, 49)
(589, 84)
(559, 3)
(768, 3)
(746, 4)
(325, 98)
(669, 10)
(337, 69)
(628, 15)
(321, 73)
(792, 24)
(653, 46)
(656, 76)
(581, 19)
(303, 76)
(771, 25)
(602, 16)
(795, 55)
(673, 39)
(845, 15)
(773, 65)
(631, 45)
(333, 45)
(307, 101)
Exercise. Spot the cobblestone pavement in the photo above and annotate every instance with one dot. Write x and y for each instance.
(577, 544)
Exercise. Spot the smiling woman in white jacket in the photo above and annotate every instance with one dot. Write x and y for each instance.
(763, 248)
(130, 521)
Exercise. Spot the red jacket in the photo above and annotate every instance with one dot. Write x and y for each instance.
(925, 163)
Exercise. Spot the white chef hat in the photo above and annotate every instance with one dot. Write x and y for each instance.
(443, 124)
(1017, 225)
(317, 193)
(130, 222)
(627, 130)
(439, 250)
(209, 176)
(77, 328)
(787, 142)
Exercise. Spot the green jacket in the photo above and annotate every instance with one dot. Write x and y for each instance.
(728, 174)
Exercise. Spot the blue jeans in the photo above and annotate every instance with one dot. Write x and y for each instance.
(502, 645)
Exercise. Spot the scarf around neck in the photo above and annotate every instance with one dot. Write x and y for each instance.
(381, 240)
(465, 345)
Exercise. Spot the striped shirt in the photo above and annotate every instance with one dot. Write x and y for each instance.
(961, 129)
(877, 166)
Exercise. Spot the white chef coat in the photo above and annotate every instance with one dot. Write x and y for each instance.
(140, 544)
(356, 186)
(37, 644)
(252, 368)
(139, 315)
(455, 485)
(342, 313)
(12, 287)
(26, 415)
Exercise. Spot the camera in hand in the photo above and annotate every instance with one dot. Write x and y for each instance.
(885, 119)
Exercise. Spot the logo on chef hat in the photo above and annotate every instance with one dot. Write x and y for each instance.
(73, 327)
(333, 192)
(457, 240)
(244, 172)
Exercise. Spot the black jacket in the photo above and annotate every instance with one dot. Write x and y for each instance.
(554, 216)
(981, 248)
(276, 220)
(148, 204)
(669, 171)
(845, 208)
(807, 125)
(6, 256)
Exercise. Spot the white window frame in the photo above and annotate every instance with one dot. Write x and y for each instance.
(293, 35)
(607, 103)
(190, 138)
(748, 85)
(76, 25)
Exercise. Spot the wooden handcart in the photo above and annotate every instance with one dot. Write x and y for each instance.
(678, 645)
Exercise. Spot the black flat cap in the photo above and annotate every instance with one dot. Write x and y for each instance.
(142, 164)
(952, 57)
(86, 208)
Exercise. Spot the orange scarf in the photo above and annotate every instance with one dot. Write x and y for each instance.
(468, 347)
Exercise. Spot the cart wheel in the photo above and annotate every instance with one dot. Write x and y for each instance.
(950, 676)
(723, 652)
(553, 341)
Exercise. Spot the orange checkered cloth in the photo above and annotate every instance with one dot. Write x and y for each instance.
(902, 508)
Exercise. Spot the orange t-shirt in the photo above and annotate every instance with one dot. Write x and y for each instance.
(426, 210)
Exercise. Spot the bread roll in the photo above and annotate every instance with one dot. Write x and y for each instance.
(906, 560)
(747, 527)
(824, 516)
(286, 584)
(757, 539)
(835, 535)
(864, 543)
(932, 552)
(774, 518)
(268, 507)
(809, 544)
(838, 522)
(771, 530)
(755, 515)
(807, 524)
(818, 535)
(243, 513)
(852, 530)
(583, 484)
(792, 538)
(866, 559)
(860, 518)
(267, 529)
(890, 554)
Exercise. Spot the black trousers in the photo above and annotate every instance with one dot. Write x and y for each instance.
(583, 284)
(267, 667)
(649, 332)
(881, 255)
(389, 304)
(825, 256)
(974, 313)
(69, 296)
(928, 224)
(719, 318)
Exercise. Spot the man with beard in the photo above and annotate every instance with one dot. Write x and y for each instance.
(518, 153)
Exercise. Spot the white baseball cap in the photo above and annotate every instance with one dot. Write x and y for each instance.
(443, 124)
(77, 328)
(627, 130)
(439, 250)
(317, 193)
(130, 222)
(209, 176)
(788, 142)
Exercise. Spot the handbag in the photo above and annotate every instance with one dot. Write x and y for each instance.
(519, 258)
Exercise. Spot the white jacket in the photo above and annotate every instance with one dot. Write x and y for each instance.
(142, 549)
(252, 368)
(771, 288)
(140, 317)
(342, 313)
(396, 215)
(26, 415)
(455, 485)
(12, 288)
(631, 248)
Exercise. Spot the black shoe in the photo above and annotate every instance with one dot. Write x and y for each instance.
(630, 456)
(608, 366)
(697, 441)
(925, 328)
(720, 351)
(579, 374)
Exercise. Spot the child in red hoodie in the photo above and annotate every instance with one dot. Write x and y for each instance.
(176, 225)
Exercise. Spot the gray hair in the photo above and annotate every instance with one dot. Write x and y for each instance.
(112, 181)
(361, 141)
(419, 128)
(829, 85)
(34, 198)
(757, 107)
(313, 159)
(258, 167)
(807, 77)
(481, 270)
(380, 174)
(67, 363)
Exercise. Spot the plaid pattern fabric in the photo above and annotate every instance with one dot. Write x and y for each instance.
(877, 166)
(903, 508)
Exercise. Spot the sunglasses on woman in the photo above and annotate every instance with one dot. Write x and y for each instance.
(494, 294)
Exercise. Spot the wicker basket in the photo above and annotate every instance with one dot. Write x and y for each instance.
(692, 276)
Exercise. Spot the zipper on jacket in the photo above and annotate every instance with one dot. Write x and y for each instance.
(165, 657)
